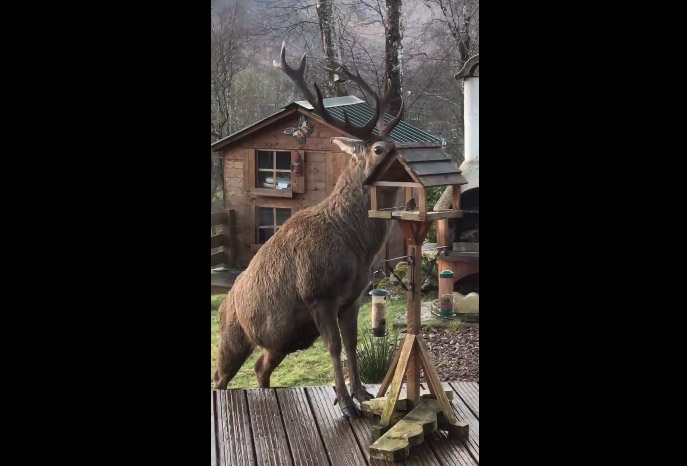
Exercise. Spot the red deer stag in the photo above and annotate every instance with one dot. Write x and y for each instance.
(308, 279)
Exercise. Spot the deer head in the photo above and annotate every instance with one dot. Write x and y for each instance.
(368, 149)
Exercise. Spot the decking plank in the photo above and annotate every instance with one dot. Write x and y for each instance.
(301, 426)
(463, 411)
(269, 437)
(235, 439)
(335, 429)
(223, 438)
(213, 437)
(464, 414)
(447, 451)
(470, 395)
(301, 429)
(452, 451)
(420, 455)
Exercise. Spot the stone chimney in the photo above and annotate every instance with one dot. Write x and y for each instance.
(470, 166)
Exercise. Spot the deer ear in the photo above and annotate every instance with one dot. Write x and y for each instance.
(347, 145)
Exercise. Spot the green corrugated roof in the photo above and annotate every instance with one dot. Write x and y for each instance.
(360, 113)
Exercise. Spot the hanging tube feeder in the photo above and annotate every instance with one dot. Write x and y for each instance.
(446, 301)
(379, 298)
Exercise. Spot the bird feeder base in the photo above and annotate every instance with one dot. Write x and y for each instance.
(409, 430)
(375, 406)
(396, 431)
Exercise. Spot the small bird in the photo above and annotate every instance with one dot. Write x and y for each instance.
(411, 204)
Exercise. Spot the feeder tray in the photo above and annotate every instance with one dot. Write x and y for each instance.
(444, 315)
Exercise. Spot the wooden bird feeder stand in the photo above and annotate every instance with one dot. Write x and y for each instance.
(405, 421)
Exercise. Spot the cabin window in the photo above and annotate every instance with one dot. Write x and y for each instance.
(273, 170)
(270, 219)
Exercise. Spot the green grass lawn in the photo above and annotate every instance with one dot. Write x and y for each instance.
(307, 367)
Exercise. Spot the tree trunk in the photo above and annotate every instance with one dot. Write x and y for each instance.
(331, 51)
(394, 54)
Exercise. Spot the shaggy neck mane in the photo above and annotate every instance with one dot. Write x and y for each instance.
(347, 209)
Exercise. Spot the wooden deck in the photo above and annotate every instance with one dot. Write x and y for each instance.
(221, 280)
(301, 426)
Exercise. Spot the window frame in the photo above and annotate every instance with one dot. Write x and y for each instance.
(261, 190)
(257, 227)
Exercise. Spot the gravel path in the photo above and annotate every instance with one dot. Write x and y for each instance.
(454, 352)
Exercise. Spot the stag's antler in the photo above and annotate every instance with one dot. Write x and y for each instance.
(297, 75)
(365, 132)
(383, 128)
(340, 69)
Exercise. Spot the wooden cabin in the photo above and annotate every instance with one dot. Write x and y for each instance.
(286, 162)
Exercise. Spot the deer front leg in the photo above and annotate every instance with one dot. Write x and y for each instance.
(348, 323)
(324, 315)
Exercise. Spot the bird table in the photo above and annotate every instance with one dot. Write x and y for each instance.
(404, 421)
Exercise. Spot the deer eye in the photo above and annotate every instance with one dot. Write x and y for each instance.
(378, 150)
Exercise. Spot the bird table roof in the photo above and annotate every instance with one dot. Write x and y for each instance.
(427, 166)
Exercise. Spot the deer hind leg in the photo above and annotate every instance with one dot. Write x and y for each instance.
(325, 316)
(234, 349)
(348, 323)
(265, 365)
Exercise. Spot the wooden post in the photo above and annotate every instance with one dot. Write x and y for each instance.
(442, 232)
(414, 233)
(422, 203)
(390, 373)
(443, 240)
(406, 351)
(455, 196)
(413, 326)
(434, 383)
(229, 248)
(373, 197)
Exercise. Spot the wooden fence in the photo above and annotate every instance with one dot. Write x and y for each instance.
(225, 239)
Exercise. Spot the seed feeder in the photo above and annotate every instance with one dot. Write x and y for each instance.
(446, 300)
(379, 299)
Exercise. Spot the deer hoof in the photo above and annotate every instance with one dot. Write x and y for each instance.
(351, 411)
(363, 395)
